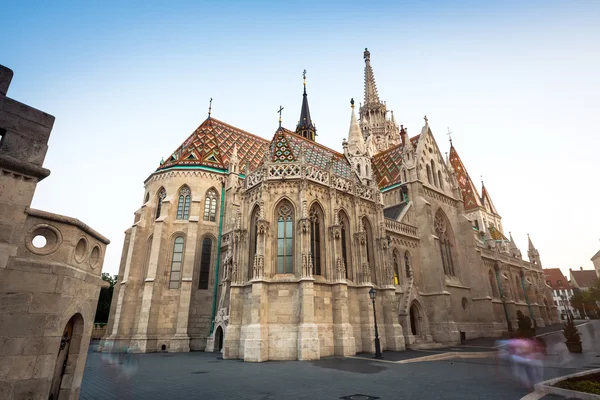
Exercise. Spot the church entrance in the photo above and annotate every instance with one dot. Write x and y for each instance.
(61, 360)
(414, 320)
(219, 338)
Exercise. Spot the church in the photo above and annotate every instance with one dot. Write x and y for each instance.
(266, 249)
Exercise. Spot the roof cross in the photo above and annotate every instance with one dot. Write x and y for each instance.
(279, 111)
(449, 136)
(209, 107)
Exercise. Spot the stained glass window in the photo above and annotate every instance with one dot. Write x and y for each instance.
(176, 263)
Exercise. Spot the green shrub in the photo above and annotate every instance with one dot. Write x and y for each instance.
(571, 333)
(580, 386)
(525, 329)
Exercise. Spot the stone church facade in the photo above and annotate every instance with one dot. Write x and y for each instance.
(267, 249)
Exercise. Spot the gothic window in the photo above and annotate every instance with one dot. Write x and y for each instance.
(161, 196)
(518, 289)
(183, 206)
(407, 263)
(429, 175)
(493, 283)
(396, 268)
(358, 168)
(345, 225)
(435, 179)
(147, 259)
(253, 239)
(404, 174)
(440, 180)
(367, 170)
(205, 263)
(369, 247)
(176, 263)
(444, 234)
(285, 238)
(210, 206)
(316, 224)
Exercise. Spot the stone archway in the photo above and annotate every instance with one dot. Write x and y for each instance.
(69, 347)
(219, 339)
(415, 320)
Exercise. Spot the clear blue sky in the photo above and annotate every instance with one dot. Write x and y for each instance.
(517, 82)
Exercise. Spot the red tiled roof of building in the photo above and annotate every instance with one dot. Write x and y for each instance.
(584, 278)
(469, 193)
(556, 279)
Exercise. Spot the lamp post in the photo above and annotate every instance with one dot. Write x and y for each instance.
(373, 294)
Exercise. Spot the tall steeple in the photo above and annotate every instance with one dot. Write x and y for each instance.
(305, 126)
(381, 131)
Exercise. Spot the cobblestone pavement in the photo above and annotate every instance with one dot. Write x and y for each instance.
(204, 376)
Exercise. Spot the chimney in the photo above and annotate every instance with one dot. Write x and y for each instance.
(581, 268)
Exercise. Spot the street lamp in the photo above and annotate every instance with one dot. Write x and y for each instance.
(373, 294)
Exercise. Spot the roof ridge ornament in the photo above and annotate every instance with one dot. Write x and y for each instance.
(210, 107)
(279, 111)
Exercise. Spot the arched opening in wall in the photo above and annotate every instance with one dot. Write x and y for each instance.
(69, 347)
(440, 180)
(253, 240)
(396, 260)
(429, 175)
(445, 236)
(176, 263)
(435, 179)
(183, 205)
(404, 175)
(205, 262)
(284, 215)
(219, 338)
(162, 194)
(358, 168)
(317, 248)
(369, 248)
(407, 264)
(415, 320)
(210, 205)
(493, 283)
(345, 229)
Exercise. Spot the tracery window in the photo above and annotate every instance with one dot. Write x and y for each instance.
(176, 263)
(285, 238)
(435, 179)
(316, 224)
(407, 263)
(210, 206)
(369, 247)
(183, 206)
(358, 168)
(205, 263)
(345, 228)
(162, 194)
(396, 268)
(443, 232)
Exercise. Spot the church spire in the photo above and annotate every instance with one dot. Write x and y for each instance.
(356, 143)
(371, 95)
(305, 127)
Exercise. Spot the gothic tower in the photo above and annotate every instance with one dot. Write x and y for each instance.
(379, 132)
(306, 128)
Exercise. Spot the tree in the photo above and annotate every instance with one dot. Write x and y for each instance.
(525, 328)
(103, 308)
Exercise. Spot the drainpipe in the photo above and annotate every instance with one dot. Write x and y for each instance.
(527, 298)
(214, 307)
(508, 323)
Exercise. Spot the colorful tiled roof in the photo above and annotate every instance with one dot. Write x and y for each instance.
(287, 146)
(469, 193)
(211, 145)
(553, 276)
(387, 166)
(496, 234)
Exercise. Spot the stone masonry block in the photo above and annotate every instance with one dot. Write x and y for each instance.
(13, 368)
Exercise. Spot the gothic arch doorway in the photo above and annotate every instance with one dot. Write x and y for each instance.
(70, 343)
(219, 338)
(415, 320)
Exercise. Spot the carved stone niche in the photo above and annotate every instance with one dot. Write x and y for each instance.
(335, 231)
(262, 226)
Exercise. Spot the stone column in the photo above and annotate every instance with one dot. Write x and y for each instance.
(140, 340)
(308, 332)
(366, 319)
(343, 333)
(180, 342)
(256, 344)
(393, 331)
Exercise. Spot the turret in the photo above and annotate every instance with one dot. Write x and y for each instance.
(533, 254)
(514, 250)
(356, 150)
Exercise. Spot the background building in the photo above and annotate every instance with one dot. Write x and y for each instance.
(583, 279)
(561, 293)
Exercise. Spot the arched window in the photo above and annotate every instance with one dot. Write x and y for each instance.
(183, 206)
(205, 263)
(161, 196)
(358, 168)
(176, 263)
(429, 175)
(440, 180)
(147, 259)
(518, 289)
(369, 246)
(316, 226)
(345, 228)
(367, 170)
(285, 238)
(407, 263)
(404, 174)
(210, 206)
(253, 240)
(493, 283)
(396, 268)
(435, 179)
(444, 234)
